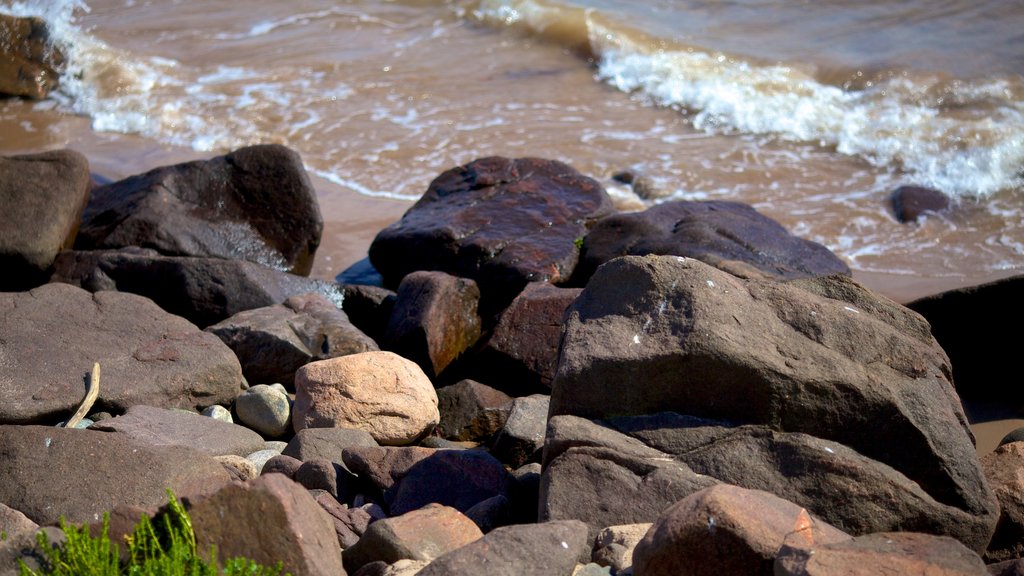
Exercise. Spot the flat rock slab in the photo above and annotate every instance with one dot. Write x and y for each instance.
(50, 338)
(255, 204)
(29, 64)
(499, 221)
(204, 290)
(882, 553)
(326, 443)
(162, 427)
(41, 201)
(52, 472)
(728, 235)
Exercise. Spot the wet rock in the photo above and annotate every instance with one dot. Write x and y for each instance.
(422, 534)
(265, 410)
(41, 200)
(882, 553)
(549, 549)
(434, 319)
(349, 523)
(270, 519)
(522, 437)
(29, 63)
(369, 308)
(255, 204)
(162, 427)
(1004, 469)
(380, 392)
(470, 410)
(962, 320)
(326, 443)
(45, 476)
(614, 546)
(146, 356)
(273, 342)
(911, 202)
(643, 186)
(725, 530)
(204, 290)
(522, 353)
(727, 235)
(824, 357)
(501, 222)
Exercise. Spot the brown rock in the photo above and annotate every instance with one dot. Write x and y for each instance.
(326, 443)
(41, 201)
(369, 308)
(380, 468)
(13, 522)
(911, 202)
(457, 478)
(470, 410)
(380, 392)
(282, 464)
(51, 337)
(45, 475)
(29, 64)
(1007, 568)
(349, 523)
(726, 530)
(1004, 469)
(162, 427)
(882, 553)
(254, 204)
(522, 438)
(239, 467)
(434, 319)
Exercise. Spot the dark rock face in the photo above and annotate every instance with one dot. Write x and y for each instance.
(471, 410)
(273, 342)
(910, 202)
(162, 427)
(434, 320)
(962, 321)
(45, 476)
(501, 222)
(255, 204)
(882, 553)
(29, 64)
(203, 290)
(51, 336)
(522, 437)
(727, 235)
(41, 201)
(824, 357)
(369, 308)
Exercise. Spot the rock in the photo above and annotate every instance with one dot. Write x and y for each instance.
(823, 357)
(1004, 469)
(361, 273)
(522, 353)
(45, 475)
(380, 468)
(51, 336)
(13, 522)
(882, 553)
(911, 202)
(380, 392)
(549, 549)
(501, 222)
(725, 530)
(204, 290)
(274, 341)
(422, 534)
(255, 204)
(643, 186)
(270, 519)
(457, 478)
(369, 308)
(162, 427)
(323, 475)
(961, 321)
(282, 464)
(29, 63)
(260, 458)
(218, 412)
(727, 235)
(265, 410)
(1007, 568)
(41, 200)
(400, 568)
(240, 468)
(326, 443)
(470, 410)
(614, 546)
(522, 437)
(349, 523)
(434, 319)
(494, 512)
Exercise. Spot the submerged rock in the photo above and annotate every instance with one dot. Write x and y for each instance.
(911, 202)
(29, 63)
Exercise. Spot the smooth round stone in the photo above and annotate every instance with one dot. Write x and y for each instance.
(259, 458)
(265, 409)
(219, 413)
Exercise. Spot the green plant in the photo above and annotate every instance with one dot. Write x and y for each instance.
(165, 546)
(578, 243)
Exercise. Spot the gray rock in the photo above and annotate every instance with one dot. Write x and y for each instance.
(260, 458)
(218, 412)
(881, 553)
(1004, 469)
(162, 427)
(265, 410)
(326, 443)
(522, 438)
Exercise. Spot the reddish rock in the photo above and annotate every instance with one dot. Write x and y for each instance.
(322, 475)
(349, 523)
(29, 63)
(41, 201)
(434, 320)
(501, 222)
(911, 202)
(282, 464)
(270, 519)
(256, 203)
(471, 410)
(726, 530)
(380, 468)
(881, 553)
(162, 427)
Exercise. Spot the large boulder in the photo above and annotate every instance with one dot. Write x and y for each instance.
(30, 64)
(1004, 469)
(51, 336)
(52, 472)
(162, 427)
(41, 201)
(881, 553)
(204, 290)
(274, 341)
(823, 356)
(499, 221)
(728, 235)
(256, 204)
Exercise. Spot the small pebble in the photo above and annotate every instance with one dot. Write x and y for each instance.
(265, 409)
(219, 413)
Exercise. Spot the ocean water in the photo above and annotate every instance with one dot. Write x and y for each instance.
(813, 112)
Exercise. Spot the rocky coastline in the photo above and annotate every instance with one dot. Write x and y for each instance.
(518, 380)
